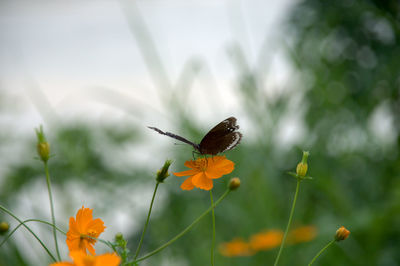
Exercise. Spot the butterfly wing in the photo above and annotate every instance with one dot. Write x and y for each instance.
(221, 144)
(221, 138)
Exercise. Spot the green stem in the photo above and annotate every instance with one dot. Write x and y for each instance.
(185, 230)
(38, 239)
(24, 222)
(289, 222)
(147, 222)
(213, 230)
(321, 251)
(53, 219)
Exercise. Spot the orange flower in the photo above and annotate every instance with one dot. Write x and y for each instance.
(302, 234)
(80, 258)
(236, 247)
(266, 240)
(204, 170)
(79, 230)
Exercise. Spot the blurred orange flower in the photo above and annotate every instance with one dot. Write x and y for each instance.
(204, 170)
(302, 234)
(80, 258)
(235, 248)
(266, 240)
(82, 229)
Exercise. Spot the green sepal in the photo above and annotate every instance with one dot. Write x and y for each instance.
(299, 177)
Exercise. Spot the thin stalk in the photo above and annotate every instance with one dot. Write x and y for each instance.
(321, 251)
(213, 230)
(289, 222)
(24, 222)
(185, 230)
(38, 239)
(53, 219)
(147, 222)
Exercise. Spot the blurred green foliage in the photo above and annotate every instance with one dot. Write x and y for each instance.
(347, 54)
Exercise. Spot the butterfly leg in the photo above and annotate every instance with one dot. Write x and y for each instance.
(193, 153)
(206, 157)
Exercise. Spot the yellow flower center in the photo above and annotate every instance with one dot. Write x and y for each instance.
(92, 233)
(201, 164)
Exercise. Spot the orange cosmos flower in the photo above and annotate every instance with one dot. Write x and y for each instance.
(80, 258)
(266, 240)
(235, 248)
(204, 170)
(302, 234)
(81, 228)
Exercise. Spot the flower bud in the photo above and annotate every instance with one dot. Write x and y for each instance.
(43, 147)
(43, 150)
(119, 239)
(118, 236)
(162, 174)
(4, 226)
(234, 183)
(341, 234)
(302, 167)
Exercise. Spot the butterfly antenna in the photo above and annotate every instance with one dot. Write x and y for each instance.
(178, 143)
(171, 135)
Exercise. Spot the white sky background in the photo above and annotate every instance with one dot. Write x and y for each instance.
(68, 48)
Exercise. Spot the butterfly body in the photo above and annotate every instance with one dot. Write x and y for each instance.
(223, 137)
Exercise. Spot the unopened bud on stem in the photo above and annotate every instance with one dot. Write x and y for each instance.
(162, 174)
(234, 183)
(302, 167)
(341, 234)
(4, 226)
(43, 147)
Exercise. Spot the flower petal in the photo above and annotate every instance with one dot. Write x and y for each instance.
(187, 172)
(73, 229)
(83, 216)
(191, 164)
(90, 247)
(96, 225)
(219, 166)
(201, 181)
(187, 184)
(73, 244)
(62, 264)
(77, 256)
(109, 259)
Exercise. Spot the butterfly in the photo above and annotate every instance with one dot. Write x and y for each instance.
(222, 137)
